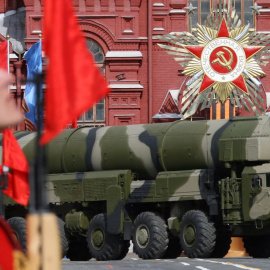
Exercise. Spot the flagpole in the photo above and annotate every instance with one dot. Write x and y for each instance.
(42, 243)
(40, 203)
(40, 39)
(41, 90)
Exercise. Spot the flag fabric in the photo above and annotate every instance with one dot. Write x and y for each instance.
(3, 55)
(74, 124)
(14, 158)
(73, 81)
(33, 59)
(12, 256)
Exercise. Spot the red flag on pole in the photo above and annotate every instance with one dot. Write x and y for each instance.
(3, 55)
(14, 158)
(73, 81)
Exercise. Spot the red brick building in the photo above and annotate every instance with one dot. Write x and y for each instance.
(121, 34)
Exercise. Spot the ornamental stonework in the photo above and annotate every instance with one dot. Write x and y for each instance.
(222, 60)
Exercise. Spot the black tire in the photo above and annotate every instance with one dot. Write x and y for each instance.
(174, 249)
(150, 236)
(78, 250)
(102, 245)
(18, 225)
(223, 243)
(197, 235)
(257, 246)
(63, 235)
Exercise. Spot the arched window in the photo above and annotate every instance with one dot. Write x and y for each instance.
(96, 115)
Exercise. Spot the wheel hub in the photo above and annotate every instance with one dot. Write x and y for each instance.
(189, 235)
(97, 239)
(142, 236)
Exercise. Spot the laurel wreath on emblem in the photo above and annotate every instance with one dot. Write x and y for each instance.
(222, 59)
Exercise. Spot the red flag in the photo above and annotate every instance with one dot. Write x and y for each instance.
(73, 81)
(14, 158)
(74, 124)
(3, 55)
(12, 256)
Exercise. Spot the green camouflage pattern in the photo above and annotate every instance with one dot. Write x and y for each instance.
(221, 166)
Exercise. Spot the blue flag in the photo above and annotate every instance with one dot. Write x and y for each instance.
(33, 59)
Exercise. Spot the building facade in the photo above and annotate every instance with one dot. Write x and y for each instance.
(122, 35)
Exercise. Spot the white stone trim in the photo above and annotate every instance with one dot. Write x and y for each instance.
(177, 11)
(13, 56)
(158, 5)
(11, 87)
(158, 29)
(124, 86)
(128, 31)
(167, 116)
(264, 10)
(36, 32)
(123, 54)
(267, 99)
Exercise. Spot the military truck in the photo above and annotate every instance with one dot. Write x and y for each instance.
(169, 187)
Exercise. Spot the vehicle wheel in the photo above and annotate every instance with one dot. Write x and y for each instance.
(63, 237)
(78, 250)
(150, 236)
(257, 246)
(197, 234)
(18, 225)
(223, 243)
(124, 250)
(102, 245)
(174, 249)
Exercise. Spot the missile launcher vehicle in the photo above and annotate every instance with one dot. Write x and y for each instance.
(169, 187)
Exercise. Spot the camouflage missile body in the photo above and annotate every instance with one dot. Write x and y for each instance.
(177, 173)
(144, 149)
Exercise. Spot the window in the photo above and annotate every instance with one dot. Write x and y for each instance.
(243, 7)
(204, 6)
(203, 9)
(96, 115)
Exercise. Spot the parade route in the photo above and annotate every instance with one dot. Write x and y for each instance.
(133, 262)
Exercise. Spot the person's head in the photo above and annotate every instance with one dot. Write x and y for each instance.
(9, 113)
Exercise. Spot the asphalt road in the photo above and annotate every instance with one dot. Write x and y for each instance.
(133, 262)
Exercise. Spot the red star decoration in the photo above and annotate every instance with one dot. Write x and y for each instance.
(249, 51)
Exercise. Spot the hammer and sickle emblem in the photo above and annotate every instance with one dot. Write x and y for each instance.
(225, 63)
